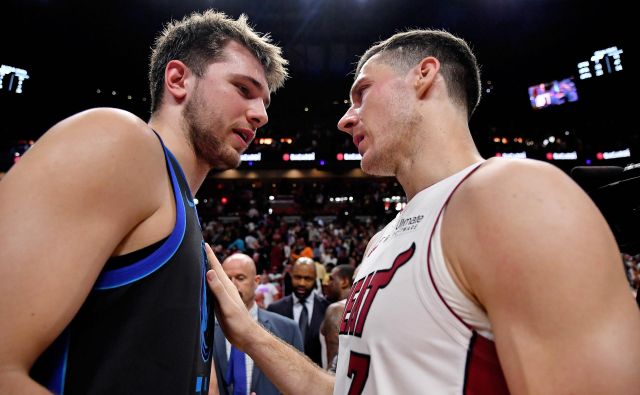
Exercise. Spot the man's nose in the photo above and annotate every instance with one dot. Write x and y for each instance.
(348, 121)
(257, 114)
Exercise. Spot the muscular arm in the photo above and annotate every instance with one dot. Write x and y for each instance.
(287, 368)
(330, 328)
(535, 252)
(64, 208)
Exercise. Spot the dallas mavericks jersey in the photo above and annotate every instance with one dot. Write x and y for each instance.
(398, 333)
(147, 325)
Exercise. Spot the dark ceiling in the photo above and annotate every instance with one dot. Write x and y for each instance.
(72, 48)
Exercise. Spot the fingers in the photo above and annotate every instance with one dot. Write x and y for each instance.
(219, 282)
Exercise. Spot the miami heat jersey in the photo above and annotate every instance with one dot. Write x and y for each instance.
(147, 325)
(403, 331)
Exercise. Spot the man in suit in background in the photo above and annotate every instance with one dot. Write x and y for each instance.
(304, 306)
(235, 372)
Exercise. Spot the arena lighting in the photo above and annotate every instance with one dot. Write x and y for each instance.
(520, 155)
(301, 157)
(349, 156)
(340, 199)
(265, 141)
(392, 199)
(251, 157)
(625, 153)
(562, 155)
(15, 72)
(611, 59)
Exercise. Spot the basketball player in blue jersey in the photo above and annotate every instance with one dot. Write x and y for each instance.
(102, 271)
(500, 276)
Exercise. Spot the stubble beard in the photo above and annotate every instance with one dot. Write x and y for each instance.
(393, 149)
(202, 134)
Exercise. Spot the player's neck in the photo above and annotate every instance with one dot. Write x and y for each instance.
(176, 140)
(436, 162)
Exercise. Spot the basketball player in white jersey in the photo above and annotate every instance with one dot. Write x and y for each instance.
(499, 275)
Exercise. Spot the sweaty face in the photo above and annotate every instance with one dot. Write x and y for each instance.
(303, 279)
(225, 107)
(381, 119)
(242, 273)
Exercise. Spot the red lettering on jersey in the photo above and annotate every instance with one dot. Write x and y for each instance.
(358, 372)
(365, 290)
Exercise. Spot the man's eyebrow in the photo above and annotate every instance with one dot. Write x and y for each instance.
(354, 87)
(255, 83)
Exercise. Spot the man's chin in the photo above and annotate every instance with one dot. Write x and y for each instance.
(225, 162)
(301, 295)
(373, 168)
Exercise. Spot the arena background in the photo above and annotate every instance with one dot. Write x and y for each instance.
(83, 54)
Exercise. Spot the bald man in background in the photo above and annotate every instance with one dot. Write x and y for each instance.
(304, 306)
(241, 269)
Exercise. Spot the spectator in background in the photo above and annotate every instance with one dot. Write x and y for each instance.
(276, 256)
(235, 372)
(304, 306)
(338, 289)
(321, 277)
(267, 291)
(301, 249)
(237, 244)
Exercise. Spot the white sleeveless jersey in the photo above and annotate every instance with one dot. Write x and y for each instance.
(407, 328)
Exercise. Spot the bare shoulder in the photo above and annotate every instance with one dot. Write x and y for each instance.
(335, 308)
(508, 179)
(102, 163)
(94, 146)
(99, 129)
(508, 193)
(332, 317)
(514, 216)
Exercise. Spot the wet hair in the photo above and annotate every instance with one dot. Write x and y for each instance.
(458, 64)
(199, 40)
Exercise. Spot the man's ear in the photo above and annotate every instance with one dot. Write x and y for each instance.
(426, 72)
(175, 75)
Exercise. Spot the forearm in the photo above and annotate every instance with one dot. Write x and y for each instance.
(17, 382)
(287, 368)
(332, 347)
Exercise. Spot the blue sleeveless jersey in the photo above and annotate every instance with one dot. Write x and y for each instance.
(147, 325)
